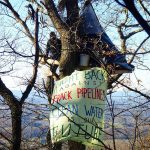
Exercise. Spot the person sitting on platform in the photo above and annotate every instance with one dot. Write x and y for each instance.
(53, 51)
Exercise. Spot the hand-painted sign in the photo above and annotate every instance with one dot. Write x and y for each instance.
(77, 107)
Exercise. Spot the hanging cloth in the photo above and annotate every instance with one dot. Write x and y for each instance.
(90, 27)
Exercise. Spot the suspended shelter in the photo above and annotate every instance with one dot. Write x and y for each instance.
(90, 29)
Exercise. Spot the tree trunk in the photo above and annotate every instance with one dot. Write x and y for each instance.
(69, 55)
(68, 63)
(49, 91)
(75, 146)
(69, 59)
(16, 114)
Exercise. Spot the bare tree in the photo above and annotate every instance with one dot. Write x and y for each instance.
(14, 103)
(67, 30)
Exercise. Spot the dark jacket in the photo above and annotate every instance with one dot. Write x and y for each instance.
(54, 48)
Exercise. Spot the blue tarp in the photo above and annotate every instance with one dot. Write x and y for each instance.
(90, 27)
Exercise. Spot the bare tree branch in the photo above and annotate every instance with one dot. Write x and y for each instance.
(129, 4)
(133, 33)
(3, 3)
(144, 8)
(54, 16)
(3, 136)
(134, 90)
(17, 16)
(120, 3)
(7, 95)
(4, 72)
(14, 51)
(131, 60)
(35, 69)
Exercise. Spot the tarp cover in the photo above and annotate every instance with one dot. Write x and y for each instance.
(77, 107)
(90, 27)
